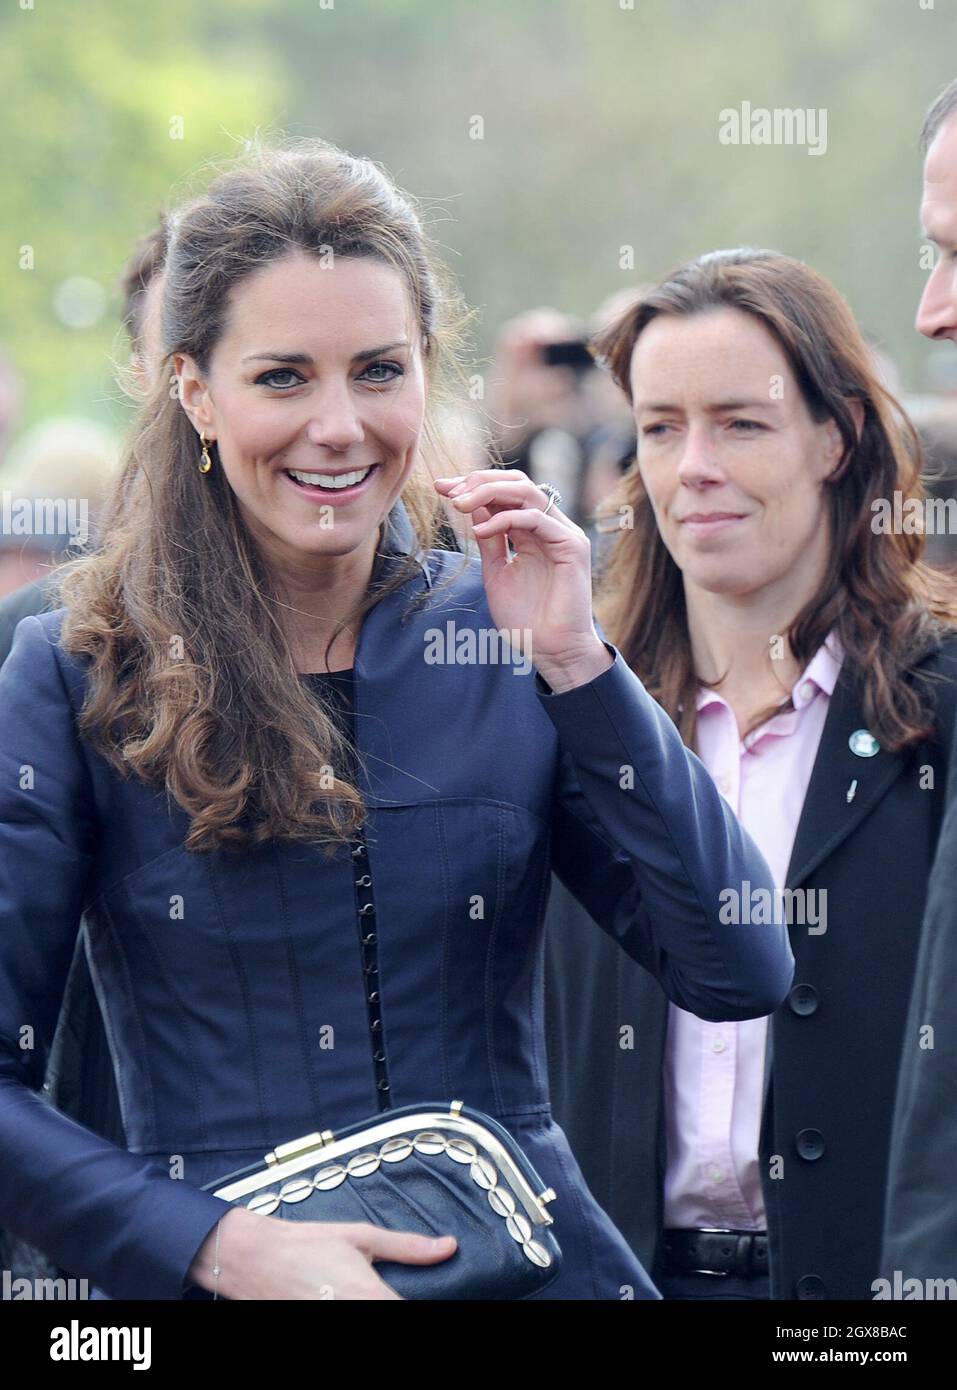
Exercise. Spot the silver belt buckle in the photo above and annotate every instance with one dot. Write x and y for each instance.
(715, 1231)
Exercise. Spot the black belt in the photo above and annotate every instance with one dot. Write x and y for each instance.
(741, 1253)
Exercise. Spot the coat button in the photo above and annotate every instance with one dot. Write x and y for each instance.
(369, 939)
(383, 1085)
(376, 1024)
(803, 1000)
(374, 997)
(809, 1143)
(378, 1056)
(364, 882)
(359, 852)
(810, 1286)
(366, 909)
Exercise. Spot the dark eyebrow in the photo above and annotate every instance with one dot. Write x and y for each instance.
(716, 409)
(294, 359)
(302, 359)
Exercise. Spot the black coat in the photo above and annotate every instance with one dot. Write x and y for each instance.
(834, 1046)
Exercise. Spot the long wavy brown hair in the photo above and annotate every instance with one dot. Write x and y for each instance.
(887, 606)
(192, 682)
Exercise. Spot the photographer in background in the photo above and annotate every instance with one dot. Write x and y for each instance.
(555, 416)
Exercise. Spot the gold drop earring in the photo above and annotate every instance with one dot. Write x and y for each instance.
(207, 462)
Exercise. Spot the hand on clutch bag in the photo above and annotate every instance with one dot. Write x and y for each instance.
(260, 1257)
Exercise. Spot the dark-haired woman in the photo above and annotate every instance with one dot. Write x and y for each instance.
(807, 655)
(290, 816)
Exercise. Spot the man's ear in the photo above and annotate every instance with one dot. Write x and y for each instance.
(193, 393)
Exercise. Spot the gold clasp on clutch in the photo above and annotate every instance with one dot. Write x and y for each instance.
(295, 1147)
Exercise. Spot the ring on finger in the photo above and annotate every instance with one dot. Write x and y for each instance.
(553, 495)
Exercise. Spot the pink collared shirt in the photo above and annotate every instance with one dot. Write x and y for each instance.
(714, 1072)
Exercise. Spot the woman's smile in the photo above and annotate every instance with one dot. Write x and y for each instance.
(706, 524)
(334, 488)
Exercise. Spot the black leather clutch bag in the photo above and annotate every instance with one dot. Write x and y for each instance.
(435, 1169)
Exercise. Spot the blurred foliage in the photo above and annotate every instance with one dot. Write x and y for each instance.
(600, 130)
(95, 88)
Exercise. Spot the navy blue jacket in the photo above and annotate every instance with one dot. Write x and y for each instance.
(219, 974)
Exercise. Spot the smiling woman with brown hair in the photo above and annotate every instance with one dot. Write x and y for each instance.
(809, 659)
(314, 859)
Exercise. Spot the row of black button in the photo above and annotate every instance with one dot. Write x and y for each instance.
(368, 947)
(809, 1143)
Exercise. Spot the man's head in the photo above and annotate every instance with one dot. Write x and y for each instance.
(937, 312)
(141, 287)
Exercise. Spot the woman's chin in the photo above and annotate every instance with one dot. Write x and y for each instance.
(720, 580)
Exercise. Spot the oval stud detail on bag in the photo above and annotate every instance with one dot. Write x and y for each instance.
(329, 1177)
(462, 1150)
(501, 1202)
(361, 1165)
(395, 1150)
(296, 1190)
(537, 1253)
(428, 1141)
(483, 1173)
(264, 1203)
(519, 1227)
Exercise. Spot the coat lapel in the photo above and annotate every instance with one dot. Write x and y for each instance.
(399, 539)
(828, 817)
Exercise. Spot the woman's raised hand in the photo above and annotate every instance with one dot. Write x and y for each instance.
(543, 593)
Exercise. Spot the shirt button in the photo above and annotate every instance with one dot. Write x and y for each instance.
(724, 784)
(806, 690)
(717, 1044)
(716, 1173)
